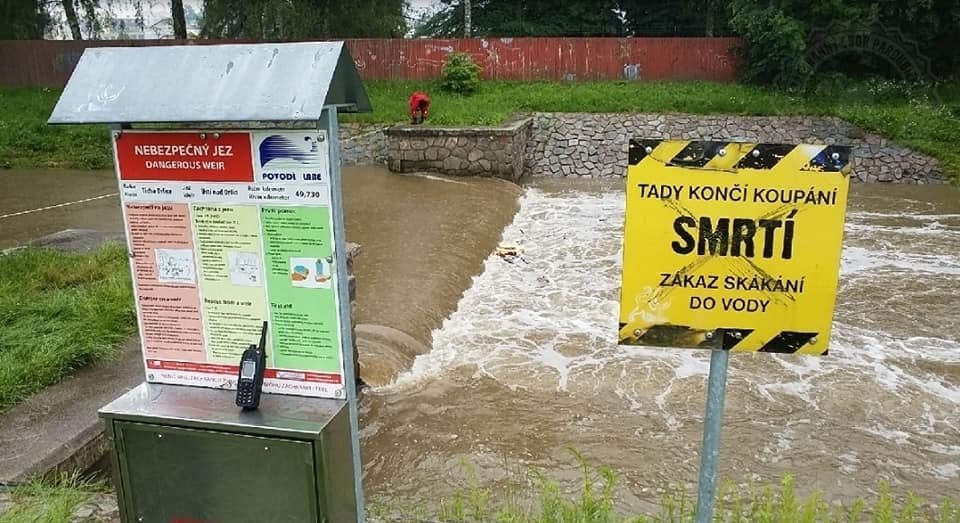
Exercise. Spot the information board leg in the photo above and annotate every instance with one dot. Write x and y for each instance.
(710, 453)
(328, 121)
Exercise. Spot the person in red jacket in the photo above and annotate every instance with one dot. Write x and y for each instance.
(419, 106)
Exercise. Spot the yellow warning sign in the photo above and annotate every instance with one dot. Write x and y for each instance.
(732, 245)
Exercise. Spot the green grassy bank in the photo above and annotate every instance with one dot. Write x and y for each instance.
(538, 498)
(545, 502)
(27, 141)
(928, 120)
(59, 312)
(50, 502)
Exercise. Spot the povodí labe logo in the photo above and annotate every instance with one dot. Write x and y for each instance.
(278, 147)
(291, 156)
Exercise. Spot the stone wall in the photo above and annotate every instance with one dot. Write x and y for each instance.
(362, 144)
(595, 145)
(472, 151)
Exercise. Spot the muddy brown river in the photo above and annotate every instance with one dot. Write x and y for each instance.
(37, 202)
(527, 367)
(520, 359)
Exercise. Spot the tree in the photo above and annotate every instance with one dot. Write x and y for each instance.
(22, 19)
(441, 23)
(782, 38)
(179, 22)
(89, 10)
(675, 17)
(297, 19)
(526, 18)
(92, 18)
(71, 13)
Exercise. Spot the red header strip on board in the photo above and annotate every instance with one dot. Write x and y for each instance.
(185, 157)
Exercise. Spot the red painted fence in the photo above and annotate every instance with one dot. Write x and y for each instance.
(48, 63)
(554, 58)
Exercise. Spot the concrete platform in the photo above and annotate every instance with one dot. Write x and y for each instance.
(57, 429)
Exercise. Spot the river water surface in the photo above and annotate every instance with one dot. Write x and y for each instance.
(525, 363)
(528, 366)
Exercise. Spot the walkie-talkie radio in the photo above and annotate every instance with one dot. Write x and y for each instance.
(253, 363)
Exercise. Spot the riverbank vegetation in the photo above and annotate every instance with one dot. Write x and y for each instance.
(51, 501)
(543, 500)
(925, 118)
(60, 312)
(27, 141)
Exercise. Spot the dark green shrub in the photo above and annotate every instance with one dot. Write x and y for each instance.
(775, 45)
(460, 74)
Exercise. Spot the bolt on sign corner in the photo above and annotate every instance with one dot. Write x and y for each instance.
(732, 245)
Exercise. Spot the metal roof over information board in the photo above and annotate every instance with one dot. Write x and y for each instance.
(211, 83)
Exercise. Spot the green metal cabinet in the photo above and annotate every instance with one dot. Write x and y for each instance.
(189, 455)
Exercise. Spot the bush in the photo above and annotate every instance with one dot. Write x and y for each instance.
(460, 74)
(775, 45)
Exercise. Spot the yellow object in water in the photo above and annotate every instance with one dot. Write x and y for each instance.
(507, 250)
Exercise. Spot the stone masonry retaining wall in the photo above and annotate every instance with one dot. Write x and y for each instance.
(362, 144)
(595, 145)
(480, 151)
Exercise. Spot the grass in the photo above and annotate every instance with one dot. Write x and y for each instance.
(926, 120)
(543, 500)
(595, 502)
(59, 312)
(27, 141)
(49, 502)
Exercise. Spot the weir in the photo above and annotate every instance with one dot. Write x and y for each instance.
(531, 344)
(515, 350)
(424, 238)
(473, 357)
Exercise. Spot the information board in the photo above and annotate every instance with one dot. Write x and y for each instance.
(732, 245)
(227, 230)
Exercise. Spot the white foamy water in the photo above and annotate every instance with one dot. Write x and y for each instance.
(884, 404)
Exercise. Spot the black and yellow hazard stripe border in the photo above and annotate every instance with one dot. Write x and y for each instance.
(732, 156)
(783, 342)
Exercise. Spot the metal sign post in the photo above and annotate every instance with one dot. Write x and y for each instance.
(733, 247)
(712, 424)
(328, 122)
